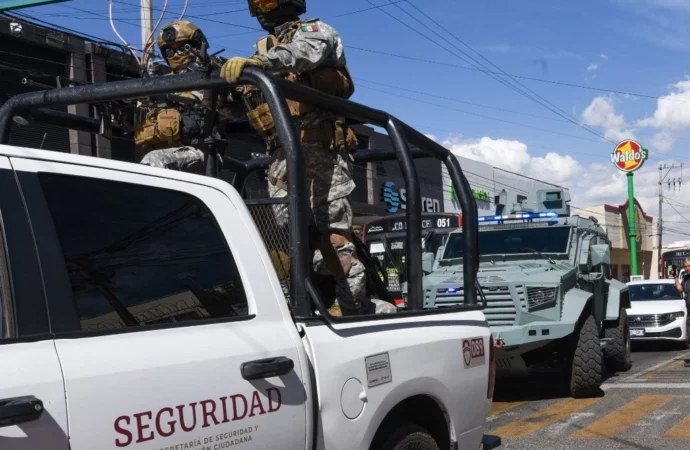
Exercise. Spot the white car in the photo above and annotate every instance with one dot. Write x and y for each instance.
(658, 312)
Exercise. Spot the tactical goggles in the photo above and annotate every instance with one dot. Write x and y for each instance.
(184, 50)
(256, 6)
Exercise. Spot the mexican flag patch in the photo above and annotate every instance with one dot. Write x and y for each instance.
(309, 28)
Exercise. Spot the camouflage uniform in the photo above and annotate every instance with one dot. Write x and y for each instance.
(298, 51)
(171, 133)
(303, 47)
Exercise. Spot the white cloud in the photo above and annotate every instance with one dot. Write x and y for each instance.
(592, 67)
(672, 115)
(602, 113)
(590, 185)
(603, 56)
(513, 156)
(431, 136)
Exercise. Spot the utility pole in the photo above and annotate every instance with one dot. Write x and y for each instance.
(659, 224)
(146, 27)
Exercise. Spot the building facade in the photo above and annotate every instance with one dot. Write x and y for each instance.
(614, 219)
(495, 189)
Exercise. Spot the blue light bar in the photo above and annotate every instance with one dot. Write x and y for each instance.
(519, 216)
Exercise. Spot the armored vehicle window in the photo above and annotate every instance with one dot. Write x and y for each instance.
(139, 255)
(653, 291)
(513, 241)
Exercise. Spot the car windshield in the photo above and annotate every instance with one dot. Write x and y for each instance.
(511, 241)
(653, 291)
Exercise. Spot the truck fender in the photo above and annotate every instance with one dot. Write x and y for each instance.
(576, 303)
(618, 297)
(410, 389)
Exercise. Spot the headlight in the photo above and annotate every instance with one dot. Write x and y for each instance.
(675, 315)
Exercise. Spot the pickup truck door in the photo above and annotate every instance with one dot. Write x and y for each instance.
(32, 394)
(167, 331)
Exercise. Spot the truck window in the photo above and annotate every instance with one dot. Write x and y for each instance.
(140, 255)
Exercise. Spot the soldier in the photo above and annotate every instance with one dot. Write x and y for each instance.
(172, 132)
(310, 52)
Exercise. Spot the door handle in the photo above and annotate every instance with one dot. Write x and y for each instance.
(19, 410)
(266, 368)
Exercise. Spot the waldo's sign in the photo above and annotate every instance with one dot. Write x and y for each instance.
(629, 156)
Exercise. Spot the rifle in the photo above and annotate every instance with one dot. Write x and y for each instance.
(210, 105)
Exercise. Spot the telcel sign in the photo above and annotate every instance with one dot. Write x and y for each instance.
(629, 156)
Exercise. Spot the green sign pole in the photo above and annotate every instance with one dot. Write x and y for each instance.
(629, 156)
(19, 4)
(631, 221)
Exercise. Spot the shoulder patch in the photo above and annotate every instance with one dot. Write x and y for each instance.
(309, 28)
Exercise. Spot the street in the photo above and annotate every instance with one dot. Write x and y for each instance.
(647, 407)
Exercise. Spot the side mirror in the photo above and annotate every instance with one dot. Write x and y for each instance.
(601, 254)
(427, 262)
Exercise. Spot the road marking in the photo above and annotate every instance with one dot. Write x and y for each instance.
(665, 372)
(680, 431)
(501, 407)
(543, 418)
(562, 426)
(661, 364)
(642, 385)
(625, 416)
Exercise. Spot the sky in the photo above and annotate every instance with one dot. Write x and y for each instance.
(538, 87)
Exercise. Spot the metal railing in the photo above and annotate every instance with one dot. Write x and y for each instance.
(275, 91)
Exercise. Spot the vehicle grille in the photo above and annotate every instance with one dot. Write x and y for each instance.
(500, 308)
(674, 333)
(649, 320)
(538, 296)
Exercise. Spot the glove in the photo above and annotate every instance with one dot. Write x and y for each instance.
(232, 69)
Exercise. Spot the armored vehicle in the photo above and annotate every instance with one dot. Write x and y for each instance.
(549, 296)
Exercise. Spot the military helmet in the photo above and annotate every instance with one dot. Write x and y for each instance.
(264, 6)
(176, 40)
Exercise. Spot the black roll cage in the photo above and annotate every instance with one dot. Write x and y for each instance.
(275, 91)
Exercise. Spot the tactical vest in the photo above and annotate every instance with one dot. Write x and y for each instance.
(164, 127)
(333, 132)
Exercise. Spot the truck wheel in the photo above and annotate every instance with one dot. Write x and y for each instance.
(410, 437)
(619, 352)
(587, 362)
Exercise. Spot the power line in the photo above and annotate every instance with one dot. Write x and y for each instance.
(489, 117)
(455, 100)
(556, 109)
(200, 18)
(87, 37)
(451, 99)
(495, 76)
(541, 80)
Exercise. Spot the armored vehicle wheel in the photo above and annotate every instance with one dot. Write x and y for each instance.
(619, 351)
(586, 361)
(409, 437)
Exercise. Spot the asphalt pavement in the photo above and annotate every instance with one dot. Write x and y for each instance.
(645, 408)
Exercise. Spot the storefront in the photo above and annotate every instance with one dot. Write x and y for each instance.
(381, 189)
(614, 219)
(495, 190)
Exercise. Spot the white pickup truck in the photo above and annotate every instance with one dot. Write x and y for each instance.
(140, 309)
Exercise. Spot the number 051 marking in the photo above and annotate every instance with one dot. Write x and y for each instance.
(473, 353)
